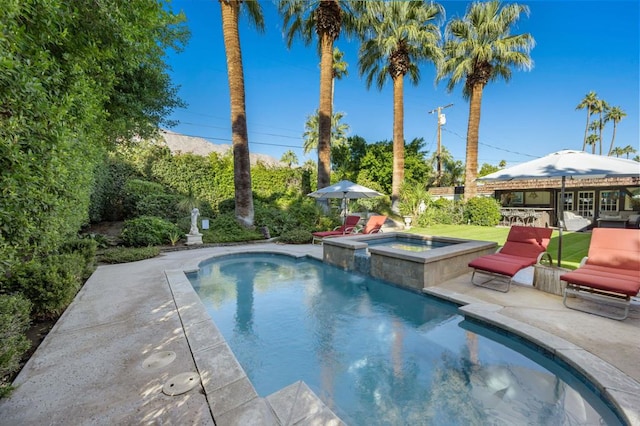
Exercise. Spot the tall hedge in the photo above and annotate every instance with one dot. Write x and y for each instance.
(76, 78)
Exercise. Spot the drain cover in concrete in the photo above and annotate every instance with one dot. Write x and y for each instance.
(181, 383)
(159, 359)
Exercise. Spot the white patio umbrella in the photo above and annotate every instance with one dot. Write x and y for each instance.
(346, 190)
(567, 164)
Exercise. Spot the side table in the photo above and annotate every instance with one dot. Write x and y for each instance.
(547, 278)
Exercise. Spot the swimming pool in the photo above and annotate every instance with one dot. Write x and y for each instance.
(377, 354)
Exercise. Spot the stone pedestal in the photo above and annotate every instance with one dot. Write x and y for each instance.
(547, 278)
(193, 239)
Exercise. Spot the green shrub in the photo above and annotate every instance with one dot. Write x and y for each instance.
(50, 284)
(127, 254)
(224, 229)
(14, 322)
(147, 231)
(136, 190)
(160, 205)
(482, 211)
(442, 212)
(85, 247)
(296, 236)
(277, 220)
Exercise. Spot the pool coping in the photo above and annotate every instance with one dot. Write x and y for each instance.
(231, 395)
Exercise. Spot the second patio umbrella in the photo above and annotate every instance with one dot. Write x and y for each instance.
(567, 164)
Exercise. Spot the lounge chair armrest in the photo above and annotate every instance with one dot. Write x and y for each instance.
(583, 262)
(544, 255)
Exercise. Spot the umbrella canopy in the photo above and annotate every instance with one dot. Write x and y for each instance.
(563, 164)
(344, 189)
(568, 163)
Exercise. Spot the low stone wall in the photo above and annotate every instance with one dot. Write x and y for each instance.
(415, 270)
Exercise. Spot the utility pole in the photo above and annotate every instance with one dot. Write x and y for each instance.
(441, 121)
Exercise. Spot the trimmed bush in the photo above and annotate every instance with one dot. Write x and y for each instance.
(137, 190)
(482, 211)
(126, 255)
(50, 284)
(85, 247)
(225, 229)
(147, 231)
(296, 236)
(442, 212)
(14, 322)
(160, 205)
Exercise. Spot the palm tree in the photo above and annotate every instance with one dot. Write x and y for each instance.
(339, 69)
(601, 107)
(588, 102)
(396, 36)
(617, 151)
(290, 158)
(479, 48)
(615, 114)
(325, 18)
(339, 131)
(241, 162)
(629, 150)
(592, 140)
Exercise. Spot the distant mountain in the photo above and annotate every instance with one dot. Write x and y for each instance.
(200, 146)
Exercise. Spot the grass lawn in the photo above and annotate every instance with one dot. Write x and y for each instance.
(574, 244)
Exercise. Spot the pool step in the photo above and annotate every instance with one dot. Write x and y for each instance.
(297, 405)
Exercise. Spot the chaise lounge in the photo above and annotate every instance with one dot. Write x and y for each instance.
(610, 274)
(347, 228)
(373, 226)
(525, 246)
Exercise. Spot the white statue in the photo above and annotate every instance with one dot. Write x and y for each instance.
(194, 221)
(422, 207)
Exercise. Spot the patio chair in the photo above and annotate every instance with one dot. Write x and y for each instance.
(525, 246)
(610, 274)
(373, 226)
(347, 228)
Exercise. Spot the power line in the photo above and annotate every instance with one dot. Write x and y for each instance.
(216, 139)
(227, 128)
(494, 147)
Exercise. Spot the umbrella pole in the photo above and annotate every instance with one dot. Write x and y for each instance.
(561, 221)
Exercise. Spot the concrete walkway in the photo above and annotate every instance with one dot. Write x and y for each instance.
(94, 368)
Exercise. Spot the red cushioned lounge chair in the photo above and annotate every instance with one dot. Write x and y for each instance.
(373, 226)
(610, 274)
(349, 227)
(525, 246)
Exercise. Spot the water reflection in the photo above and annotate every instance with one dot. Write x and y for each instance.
(374, 353)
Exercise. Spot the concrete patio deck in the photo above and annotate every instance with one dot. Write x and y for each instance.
(90, 369)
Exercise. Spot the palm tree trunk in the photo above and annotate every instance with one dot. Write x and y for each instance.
(600, 129)
(586, 129)
(613, 138)
(398, 142)
(325, 112)
(473, 130)
(241, 162)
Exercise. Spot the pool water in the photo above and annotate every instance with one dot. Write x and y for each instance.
(377, 354)
(407, 244)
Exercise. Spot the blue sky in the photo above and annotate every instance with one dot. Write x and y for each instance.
(581, 46)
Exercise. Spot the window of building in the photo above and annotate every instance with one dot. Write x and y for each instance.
(568, 201)
(609, 201)
(586, 202)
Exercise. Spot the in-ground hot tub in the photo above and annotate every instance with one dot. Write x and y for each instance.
(409, 260)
